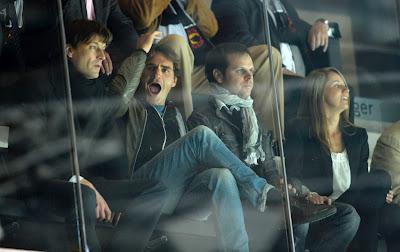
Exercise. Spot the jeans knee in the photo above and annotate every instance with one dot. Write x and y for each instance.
(203, 132)
(223, 174)
(223, 179)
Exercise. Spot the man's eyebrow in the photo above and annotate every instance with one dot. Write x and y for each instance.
(100, 44)
(163, 66)
(244, 68)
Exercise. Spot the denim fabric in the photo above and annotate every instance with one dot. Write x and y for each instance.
(185, 166)
(216, 189)
(200, 149)
(300, 234)
(335, 232)
(390, 226)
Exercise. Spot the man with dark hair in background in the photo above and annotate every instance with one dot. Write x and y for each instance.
(108, 13)
(229, 113)
(98, 102)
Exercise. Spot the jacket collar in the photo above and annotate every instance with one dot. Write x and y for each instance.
(81, 87)
(222, 113)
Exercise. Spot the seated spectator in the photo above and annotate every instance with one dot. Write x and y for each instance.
(298, 42)
(386, 156)
(241, 21)
(108, 13)
(229, 113)
(162, 15)
(158, 148)
(327, 156)
(140, 201)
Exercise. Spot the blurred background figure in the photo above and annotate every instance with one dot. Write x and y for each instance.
(387, 157)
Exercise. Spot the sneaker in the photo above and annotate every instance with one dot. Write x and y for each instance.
(304, 211)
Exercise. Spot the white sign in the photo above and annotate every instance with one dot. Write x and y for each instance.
(4, 132)
(376, 109)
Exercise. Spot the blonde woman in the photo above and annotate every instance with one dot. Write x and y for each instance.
(327, 156)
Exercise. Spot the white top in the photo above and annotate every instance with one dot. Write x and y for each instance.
(341, 174)
(177, 29)
(4, 133)
(291, 55)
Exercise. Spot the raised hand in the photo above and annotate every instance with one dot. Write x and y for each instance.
(145, 41)
(318, 35)
(107, 66)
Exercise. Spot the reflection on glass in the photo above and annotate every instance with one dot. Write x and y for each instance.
(128, 176)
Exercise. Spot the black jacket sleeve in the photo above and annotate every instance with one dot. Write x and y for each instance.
(234, 26)
(124, 33)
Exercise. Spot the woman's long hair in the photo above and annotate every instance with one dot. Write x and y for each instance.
(312, 104)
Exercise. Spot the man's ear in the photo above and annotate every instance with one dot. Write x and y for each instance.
(69, 51)
(218, 76)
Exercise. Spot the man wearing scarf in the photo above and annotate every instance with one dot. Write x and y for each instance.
(230, 114)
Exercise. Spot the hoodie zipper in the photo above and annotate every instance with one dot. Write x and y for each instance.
(163, 124)
(141, 138)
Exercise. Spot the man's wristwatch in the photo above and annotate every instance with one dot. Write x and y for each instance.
(323, 20)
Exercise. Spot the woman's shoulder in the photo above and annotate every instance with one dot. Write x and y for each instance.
(354, 131)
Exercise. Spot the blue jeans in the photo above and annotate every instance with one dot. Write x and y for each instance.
(335, 232)
(187, 161)
(216, 190)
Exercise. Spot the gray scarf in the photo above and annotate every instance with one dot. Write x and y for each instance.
(251, 146)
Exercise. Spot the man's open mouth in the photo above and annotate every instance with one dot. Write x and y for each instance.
(154, 88)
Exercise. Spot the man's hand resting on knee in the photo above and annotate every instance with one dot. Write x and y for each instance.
(103, 212)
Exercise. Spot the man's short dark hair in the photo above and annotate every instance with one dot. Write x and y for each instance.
(82, 31)
(217, 58)
(167, 54)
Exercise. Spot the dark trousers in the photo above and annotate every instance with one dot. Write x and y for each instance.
(139, 201)
(373, 188)
(389, 226)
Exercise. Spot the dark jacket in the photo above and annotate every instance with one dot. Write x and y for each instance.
(230, 133)
(309, 162)
(98, 103)
(241, 21)
(152, 131)
(110, 15)
(137, 120)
